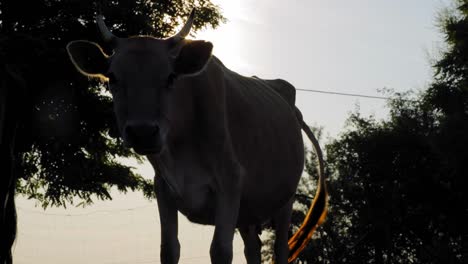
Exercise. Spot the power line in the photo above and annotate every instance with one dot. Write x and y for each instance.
(85, 214)
(345, 94)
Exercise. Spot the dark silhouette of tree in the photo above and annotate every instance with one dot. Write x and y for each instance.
(67, 141)
(57, 131)
(398, 187)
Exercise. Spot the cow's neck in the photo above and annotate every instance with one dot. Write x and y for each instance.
(196, 119)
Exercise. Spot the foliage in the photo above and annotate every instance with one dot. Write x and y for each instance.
(398, 186)
(67, 143)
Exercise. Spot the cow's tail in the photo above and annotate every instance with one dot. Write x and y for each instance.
(318, 209)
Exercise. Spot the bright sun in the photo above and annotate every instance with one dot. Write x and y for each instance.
(228, 38)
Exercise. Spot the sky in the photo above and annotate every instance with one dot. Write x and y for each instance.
(355, 46)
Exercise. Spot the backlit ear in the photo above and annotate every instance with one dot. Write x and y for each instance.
(88, 58)
(192, 57)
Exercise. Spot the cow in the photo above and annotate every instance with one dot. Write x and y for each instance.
(227, 150)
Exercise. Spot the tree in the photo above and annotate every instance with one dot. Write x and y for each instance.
(67, 140)
(398, 186)
(57, 132)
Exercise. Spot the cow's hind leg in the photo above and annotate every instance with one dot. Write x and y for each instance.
(281, 223)
(252, 244)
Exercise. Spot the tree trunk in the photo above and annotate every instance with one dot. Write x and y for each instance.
(378, 245)
(8, 127)
(7, 192)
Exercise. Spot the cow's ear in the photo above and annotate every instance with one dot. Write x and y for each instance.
(88, 58)
(192, 57)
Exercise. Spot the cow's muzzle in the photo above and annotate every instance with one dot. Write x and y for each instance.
(143, 136)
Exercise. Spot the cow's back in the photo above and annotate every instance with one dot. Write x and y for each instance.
(267, 140)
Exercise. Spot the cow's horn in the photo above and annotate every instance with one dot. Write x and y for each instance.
(186, 28)
(107, 36)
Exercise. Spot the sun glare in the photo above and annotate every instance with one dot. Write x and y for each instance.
(228, 37)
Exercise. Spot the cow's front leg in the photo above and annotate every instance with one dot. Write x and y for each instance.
(227, 210)
(170, 247)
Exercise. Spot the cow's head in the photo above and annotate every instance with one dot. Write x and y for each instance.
(140, 74)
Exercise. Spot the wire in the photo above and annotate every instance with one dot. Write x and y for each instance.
(86, 214)
(345, 94)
